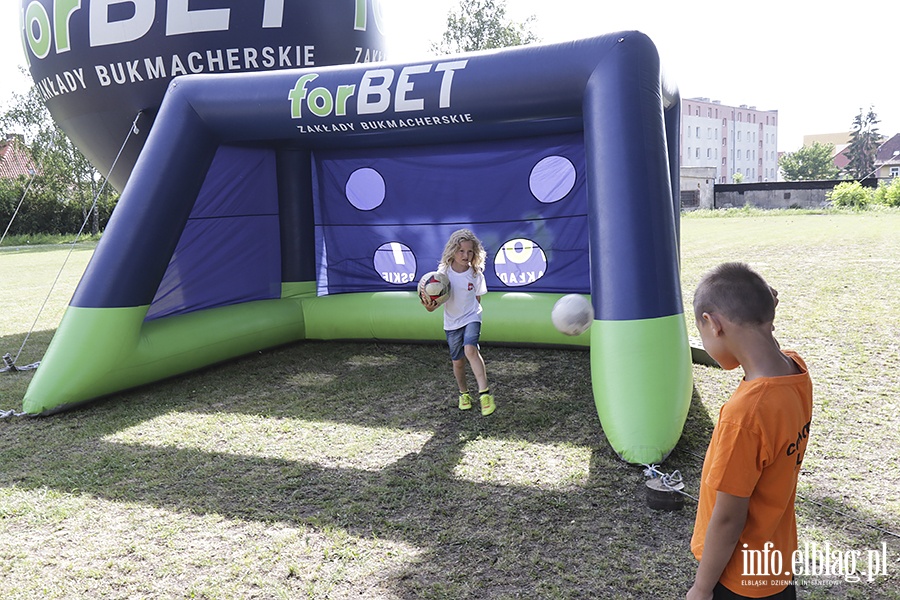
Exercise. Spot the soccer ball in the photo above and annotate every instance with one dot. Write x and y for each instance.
(436, 286)
(572, 314)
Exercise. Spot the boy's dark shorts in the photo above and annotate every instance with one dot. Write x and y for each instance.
(458, 339)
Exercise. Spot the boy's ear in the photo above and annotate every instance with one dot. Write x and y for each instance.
(713, 321)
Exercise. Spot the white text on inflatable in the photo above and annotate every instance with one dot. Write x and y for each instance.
(375, 92)
(43, 31)
(210, 61)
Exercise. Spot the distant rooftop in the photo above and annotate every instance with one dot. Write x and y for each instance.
(14, 161)
(719, 102)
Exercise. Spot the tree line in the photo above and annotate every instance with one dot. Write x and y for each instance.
(64, 193)
(816, 161)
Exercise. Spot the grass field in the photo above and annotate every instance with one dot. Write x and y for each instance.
(336, 471)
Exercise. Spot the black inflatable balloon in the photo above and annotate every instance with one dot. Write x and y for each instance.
(100, 63)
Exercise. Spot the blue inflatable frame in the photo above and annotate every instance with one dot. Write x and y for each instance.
(266, 130)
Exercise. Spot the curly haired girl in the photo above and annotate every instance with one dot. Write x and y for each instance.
(463, 262)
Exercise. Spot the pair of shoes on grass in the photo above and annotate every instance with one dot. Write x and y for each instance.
(487, 403)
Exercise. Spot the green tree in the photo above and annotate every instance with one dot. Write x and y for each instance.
(64, 173)
(888, 194)
(864, 141)
(809, 163)
(850, 194)
(480, 25)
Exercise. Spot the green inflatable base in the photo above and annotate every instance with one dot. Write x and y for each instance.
(642, 381)
(126, 352)
(640, 369)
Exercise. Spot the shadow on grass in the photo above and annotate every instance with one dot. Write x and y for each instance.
(34, 346)
(479, 537)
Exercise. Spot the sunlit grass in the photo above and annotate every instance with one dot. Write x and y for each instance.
(347, 446)
(96, 544)
(331, 445)
(517, 462)
(36, 285)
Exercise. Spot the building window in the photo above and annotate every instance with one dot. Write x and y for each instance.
(723, 161)
(895, 172)
(708, 112)
(709, 134)
(739, 155)
(724, 141)
(689, 132)
(697, 153)
(739, 135)
(724, 122)
(698, 133)
(708, 153)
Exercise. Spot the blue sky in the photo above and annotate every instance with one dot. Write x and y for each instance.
(816, 63)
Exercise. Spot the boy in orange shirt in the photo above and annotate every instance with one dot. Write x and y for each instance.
(746, 530)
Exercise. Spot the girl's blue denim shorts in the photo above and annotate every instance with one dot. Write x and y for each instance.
(458, 339)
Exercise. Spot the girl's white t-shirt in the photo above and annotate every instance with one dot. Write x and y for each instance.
(463, 306)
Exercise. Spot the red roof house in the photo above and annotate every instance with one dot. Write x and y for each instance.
(14, 161)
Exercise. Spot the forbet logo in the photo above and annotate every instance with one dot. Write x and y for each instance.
(375, 93)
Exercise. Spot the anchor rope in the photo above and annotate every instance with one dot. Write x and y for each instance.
(9, 362)
(675, 477)
(131, 131)
(671, 481)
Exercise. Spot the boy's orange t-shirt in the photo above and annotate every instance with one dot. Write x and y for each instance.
(756, 450)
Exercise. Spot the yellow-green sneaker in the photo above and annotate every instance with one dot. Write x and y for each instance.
(465, 401)
(487, 404)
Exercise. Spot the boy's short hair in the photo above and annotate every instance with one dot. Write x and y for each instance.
(737, 292)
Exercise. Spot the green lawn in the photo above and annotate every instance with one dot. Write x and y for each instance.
(327, 470)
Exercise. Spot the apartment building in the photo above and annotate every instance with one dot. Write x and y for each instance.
(736, 140)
